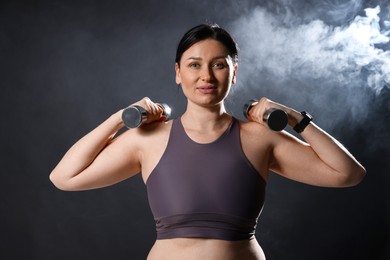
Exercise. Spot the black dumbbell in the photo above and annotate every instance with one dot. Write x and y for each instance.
(134, 116)
(276, 119)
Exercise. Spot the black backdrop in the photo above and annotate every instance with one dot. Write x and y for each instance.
(66, 66)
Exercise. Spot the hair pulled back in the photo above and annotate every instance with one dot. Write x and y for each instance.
(203, 32)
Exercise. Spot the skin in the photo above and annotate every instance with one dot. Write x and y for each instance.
(206, 73)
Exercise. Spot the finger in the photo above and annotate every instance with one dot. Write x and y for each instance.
(162, 119)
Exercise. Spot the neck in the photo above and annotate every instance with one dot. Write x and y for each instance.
(206, 118)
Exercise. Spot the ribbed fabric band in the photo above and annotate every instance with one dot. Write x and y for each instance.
(218, 226)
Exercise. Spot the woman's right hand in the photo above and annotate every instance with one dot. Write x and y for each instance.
(155, 111)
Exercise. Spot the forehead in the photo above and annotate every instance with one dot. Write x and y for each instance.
(208, 48)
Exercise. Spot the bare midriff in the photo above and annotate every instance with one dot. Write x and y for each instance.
(205, 249)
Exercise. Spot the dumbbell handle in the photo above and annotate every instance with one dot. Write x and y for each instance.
(134, 116)
(276, 119)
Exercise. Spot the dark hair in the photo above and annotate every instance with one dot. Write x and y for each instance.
(203, 32)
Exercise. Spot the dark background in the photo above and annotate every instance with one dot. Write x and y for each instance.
(66, 66)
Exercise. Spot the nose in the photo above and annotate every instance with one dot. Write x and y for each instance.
(207, 74)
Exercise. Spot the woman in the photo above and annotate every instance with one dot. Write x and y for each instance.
(206, 171)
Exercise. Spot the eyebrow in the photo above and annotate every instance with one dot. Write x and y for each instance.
(215, 58)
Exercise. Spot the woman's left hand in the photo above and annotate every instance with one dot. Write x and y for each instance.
(259, 109)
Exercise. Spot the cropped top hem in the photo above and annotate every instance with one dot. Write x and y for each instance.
(205, 225)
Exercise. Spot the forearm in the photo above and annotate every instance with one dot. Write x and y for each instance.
(84, 151)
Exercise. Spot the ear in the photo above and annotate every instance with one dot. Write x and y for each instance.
(234, 78)
(178, 77)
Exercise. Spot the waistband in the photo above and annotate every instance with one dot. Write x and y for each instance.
(206, 225)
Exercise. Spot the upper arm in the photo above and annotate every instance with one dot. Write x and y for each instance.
(118, 161)
(296, 160)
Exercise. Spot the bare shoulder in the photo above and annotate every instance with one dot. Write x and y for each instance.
(254, 132)
(157, 132)
(154, 133)
(256, 143)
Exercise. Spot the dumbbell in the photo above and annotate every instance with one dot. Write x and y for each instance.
(276, 119)
(134, 116)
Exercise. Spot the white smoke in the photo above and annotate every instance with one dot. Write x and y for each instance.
(335, 55)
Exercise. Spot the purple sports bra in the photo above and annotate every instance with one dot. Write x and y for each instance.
(205, 190)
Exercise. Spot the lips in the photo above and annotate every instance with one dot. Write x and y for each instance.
(207, 89)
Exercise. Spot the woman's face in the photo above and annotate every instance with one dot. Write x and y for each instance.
(206, 72)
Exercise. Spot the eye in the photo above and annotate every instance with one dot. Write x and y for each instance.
(219, 65)
(194, 65)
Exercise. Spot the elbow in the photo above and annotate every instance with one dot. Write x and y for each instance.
(353, 178)
(59, 183)
(358, 175)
